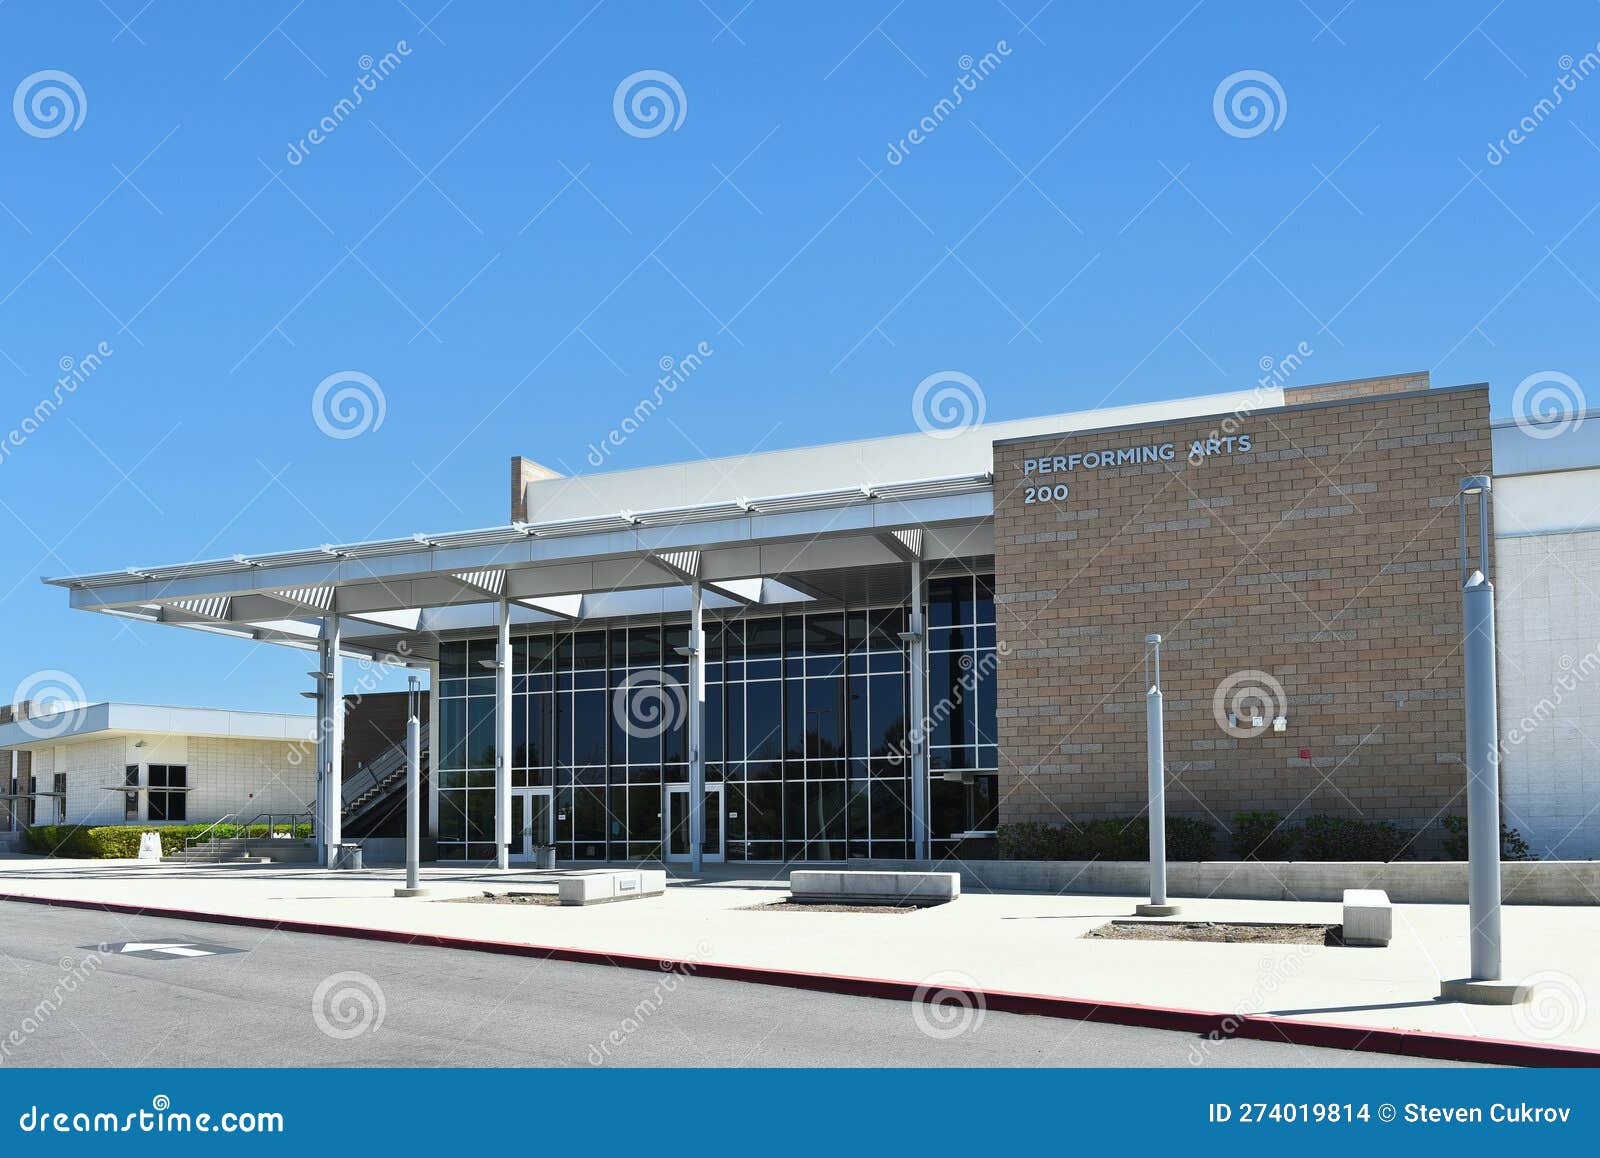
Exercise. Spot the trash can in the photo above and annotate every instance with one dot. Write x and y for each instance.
(544, 856)
(349, 857)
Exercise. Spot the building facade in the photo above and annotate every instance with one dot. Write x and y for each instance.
(892, 648)
(112, 764)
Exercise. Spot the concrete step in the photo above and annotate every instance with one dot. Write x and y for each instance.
(258, 850)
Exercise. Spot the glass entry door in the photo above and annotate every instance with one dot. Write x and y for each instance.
(677, 823)
(531, 822)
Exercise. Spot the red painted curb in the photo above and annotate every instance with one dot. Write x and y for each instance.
(1212, 1026)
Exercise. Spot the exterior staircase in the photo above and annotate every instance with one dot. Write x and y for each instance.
(241, 850)
(370, 787)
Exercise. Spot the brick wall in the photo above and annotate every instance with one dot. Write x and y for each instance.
(1357, 388)
(1325, 555)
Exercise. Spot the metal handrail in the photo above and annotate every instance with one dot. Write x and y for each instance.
(201, 837)
(271, 819)
(372, 776)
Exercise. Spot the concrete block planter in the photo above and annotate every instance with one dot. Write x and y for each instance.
(598, 888)
(900, 887)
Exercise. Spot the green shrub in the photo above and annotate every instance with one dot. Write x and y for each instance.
(69, 840)
(112, 841)
(1104, 838)
(1263, 836)
(1346, 838)
(1190, 839)
(1030, 840)
(1512, 844)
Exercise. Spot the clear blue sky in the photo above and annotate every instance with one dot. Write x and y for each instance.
(484, 240)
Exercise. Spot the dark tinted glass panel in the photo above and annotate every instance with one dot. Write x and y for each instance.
(764, 712)
(541, 724)
(589, 650)
(453, 660)
(644, 647)
(859, 812)
(480, 733)
(452, 816)
(855, 631)
(824, 634)
(715, 723)
(943, 600)
(644, 813)
(794, 720)
(764, 638)
(888, 711)
(763, 810)
(794, 809)
(825, 718)
(480, 815)
(886, 629)
(589, 722)
(590, 821)
(947, 807)
(860, 715)
(890, 810)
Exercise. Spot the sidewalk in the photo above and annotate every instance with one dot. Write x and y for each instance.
(1022, 943)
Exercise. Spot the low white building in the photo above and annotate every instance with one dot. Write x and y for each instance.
(1547, 619)
(123, 763)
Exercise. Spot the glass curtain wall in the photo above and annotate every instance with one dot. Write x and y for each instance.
(805, 729)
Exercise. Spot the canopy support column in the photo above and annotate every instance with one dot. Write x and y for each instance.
(502, 747)
(918, 640)
(697, 728)
(331, 725)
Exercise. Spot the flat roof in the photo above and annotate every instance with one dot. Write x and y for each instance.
(84, 721)
(932, 451)
(825, 525)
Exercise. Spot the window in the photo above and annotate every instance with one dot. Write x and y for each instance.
(59, 788)
(168, 785)
(808, 729)
(130, 800)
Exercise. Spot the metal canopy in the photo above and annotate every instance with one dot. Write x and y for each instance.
(395, 598)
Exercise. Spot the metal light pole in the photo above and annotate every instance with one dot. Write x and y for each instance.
(1482, 759)
(413, 791)
(1156, 771)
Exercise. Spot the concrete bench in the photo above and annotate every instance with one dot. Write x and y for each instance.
(818, 886)
(1368, 917)
(598, 888)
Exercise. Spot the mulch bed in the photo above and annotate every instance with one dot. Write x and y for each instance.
(805, 907)
(506, 899)
(1212, 932)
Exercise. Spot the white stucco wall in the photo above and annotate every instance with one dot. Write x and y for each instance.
(242, 777)
(1547, 589)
